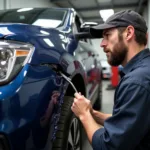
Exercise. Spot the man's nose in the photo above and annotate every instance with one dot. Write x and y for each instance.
(103, 43)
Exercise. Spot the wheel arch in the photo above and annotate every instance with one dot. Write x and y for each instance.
(79, 83)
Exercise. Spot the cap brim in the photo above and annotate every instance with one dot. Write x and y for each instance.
(97, 31)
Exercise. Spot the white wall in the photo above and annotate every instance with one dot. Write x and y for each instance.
(148, 12)
(145, 14)
(96, 43)
(2, 4)
(25, 3)
(146, 17)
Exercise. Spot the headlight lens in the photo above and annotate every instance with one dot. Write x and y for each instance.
(13, 56)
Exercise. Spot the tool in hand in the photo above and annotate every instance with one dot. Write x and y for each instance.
(58, 71)
(69, 80)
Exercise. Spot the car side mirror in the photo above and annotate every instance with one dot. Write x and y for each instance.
(83, 35)
(85, 27)
(88, 24)
(85, 30)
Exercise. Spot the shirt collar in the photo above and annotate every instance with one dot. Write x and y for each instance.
(134, 61)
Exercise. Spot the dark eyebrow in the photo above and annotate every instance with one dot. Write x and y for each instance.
(105, 32)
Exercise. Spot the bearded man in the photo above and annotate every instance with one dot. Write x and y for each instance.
(128, 128)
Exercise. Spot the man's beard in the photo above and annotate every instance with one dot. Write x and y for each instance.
(118, 55)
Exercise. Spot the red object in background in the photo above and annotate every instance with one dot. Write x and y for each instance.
(114, 76)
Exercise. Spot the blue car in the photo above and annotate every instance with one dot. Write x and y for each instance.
(38, 48)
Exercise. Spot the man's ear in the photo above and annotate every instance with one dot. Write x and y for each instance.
(129, 32)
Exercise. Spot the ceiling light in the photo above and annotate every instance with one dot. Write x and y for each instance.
(104, 1)
(106, 13)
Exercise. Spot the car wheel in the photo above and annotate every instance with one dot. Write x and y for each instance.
(68, 136)
(98, 102)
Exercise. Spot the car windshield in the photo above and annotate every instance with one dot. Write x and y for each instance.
(46, 17)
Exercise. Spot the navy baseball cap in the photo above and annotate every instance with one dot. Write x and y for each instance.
(120, 19)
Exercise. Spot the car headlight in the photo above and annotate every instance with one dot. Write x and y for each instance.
(13, 56)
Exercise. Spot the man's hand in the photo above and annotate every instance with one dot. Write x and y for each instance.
(82, 109)
(81, 106)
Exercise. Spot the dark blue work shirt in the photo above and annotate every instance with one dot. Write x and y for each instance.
(129, 126)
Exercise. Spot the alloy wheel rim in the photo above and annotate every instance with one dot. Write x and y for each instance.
(74, 135)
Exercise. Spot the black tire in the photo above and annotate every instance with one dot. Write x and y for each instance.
(68, 136)
(98, 102)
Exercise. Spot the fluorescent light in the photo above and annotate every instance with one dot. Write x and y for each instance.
(106, 13)
(104, 1)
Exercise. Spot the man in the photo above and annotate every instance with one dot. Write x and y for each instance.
(128, 128)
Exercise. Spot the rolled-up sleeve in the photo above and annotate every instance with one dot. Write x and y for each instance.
(130, 120)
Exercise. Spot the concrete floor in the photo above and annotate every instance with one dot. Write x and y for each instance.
(107, 105)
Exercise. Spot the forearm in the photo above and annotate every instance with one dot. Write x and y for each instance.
(90, 125)
(100, 117)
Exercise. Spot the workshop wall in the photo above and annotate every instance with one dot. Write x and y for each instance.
(2, 5)
(147, 19)
(6, 4)
(96, 43)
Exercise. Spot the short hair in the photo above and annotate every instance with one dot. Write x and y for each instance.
(140, 37)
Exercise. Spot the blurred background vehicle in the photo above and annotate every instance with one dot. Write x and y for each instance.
(106, 69)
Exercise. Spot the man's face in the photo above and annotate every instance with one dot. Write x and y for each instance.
(114, 47)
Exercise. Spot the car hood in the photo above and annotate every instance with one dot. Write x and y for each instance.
(23, 30)
(51, 45)
(47, 41)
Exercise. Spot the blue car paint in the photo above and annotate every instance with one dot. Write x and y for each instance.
(22, 110)
(13, 87)
(24, 101)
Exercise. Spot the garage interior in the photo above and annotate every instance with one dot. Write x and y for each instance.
(90, 11)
